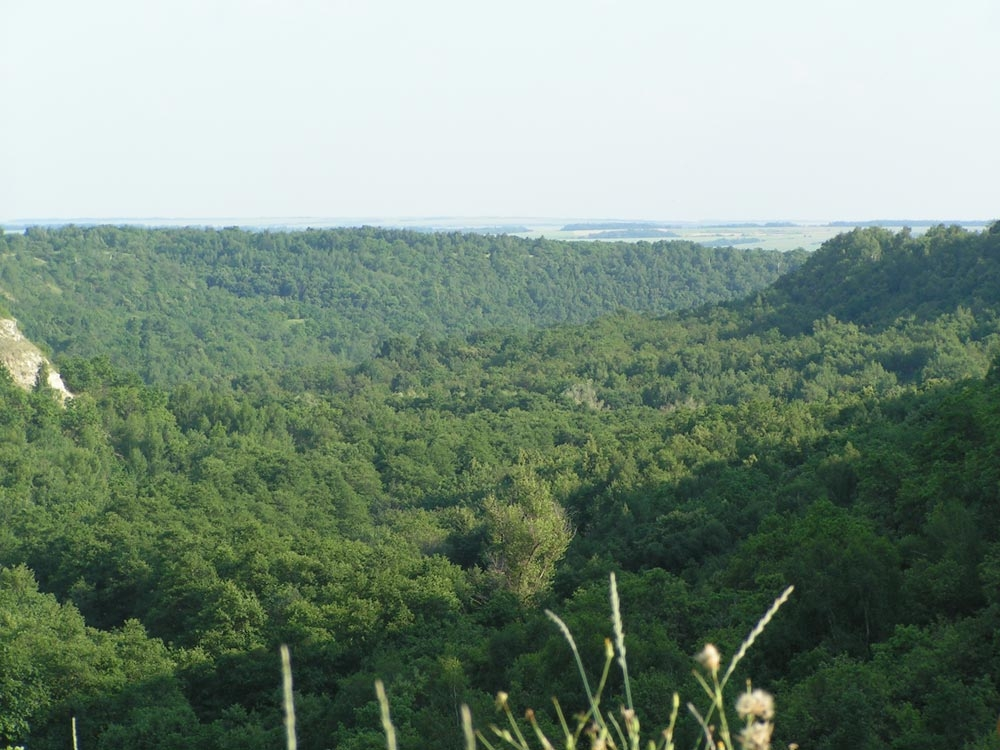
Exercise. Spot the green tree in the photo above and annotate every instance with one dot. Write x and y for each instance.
(47, 655)
(527, 534)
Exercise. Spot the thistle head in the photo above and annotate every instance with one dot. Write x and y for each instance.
(755, 705)
(710, 658)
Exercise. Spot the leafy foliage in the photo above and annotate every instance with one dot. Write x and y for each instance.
(409, 516)
(172, 304)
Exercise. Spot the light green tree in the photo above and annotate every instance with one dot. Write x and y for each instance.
(527, 534)
(46, 654)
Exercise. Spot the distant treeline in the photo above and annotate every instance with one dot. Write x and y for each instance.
(622, 225)
(639, 226)
(174, 303)
(907, 223)
(623, 234)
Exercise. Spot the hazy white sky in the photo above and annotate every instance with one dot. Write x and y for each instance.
(653, 109)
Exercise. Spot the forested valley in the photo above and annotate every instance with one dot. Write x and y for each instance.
(176, 304)
(392, 451)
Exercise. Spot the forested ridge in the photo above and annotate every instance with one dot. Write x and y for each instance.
(171, 304)
(408, 517)
(873, 277)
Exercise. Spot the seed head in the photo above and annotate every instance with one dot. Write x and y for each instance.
(757, 704)
(710, 658)
(757, 736)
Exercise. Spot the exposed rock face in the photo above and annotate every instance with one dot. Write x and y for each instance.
(23, 360)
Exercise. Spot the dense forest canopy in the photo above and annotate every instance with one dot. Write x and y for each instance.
(874, 277)
(409, 515)
(171, 304)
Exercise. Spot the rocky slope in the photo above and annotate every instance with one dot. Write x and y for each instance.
(25, 361)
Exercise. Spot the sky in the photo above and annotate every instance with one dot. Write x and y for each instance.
(682, 110)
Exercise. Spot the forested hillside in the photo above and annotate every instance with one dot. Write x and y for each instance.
(874, 277)
(171, 304)
(408, 517)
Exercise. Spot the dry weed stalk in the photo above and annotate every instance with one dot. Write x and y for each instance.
(387, 727)
(289, 702)
(756, 734)
(602, 731)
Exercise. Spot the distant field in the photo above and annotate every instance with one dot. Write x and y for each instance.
(771, 238)
(765, 235)
(805, 236)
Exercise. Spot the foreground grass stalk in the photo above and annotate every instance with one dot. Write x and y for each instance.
(723, 720)
(604, 731)
(570, 737)
(387, 727)
(711, 661)
(289, 702)
(485, 742)
(709, 742)
(757, 630)
(618, 730)
(668, 733)
(595, 711)
(516, 738)
(609, 655)
(619, 630)
(546, 745)
(467, 731)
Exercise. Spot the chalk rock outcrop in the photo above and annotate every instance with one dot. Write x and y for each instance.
(24, 361)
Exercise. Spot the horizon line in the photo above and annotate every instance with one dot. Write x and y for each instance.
(355, 221)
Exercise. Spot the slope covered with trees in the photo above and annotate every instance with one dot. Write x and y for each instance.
(409, 516)
(874, 276)
(172, 304)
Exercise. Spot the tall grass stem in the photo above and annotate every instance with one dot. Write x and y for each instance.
(387, 727)
(758, 629)
(467, 730)
(579, 663)
(286, 685)
(619, 630)
(709, 742)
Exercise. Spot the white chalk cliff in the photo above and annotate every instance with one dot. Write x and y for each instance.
(24, 361)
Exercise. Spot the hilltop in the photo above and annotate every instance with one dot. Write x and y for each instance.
(172, 304)
(874, 277)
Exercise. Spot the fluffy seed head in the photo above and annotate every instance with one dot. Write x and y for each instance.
(757, 704)
(710, 658)
(757, 736)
